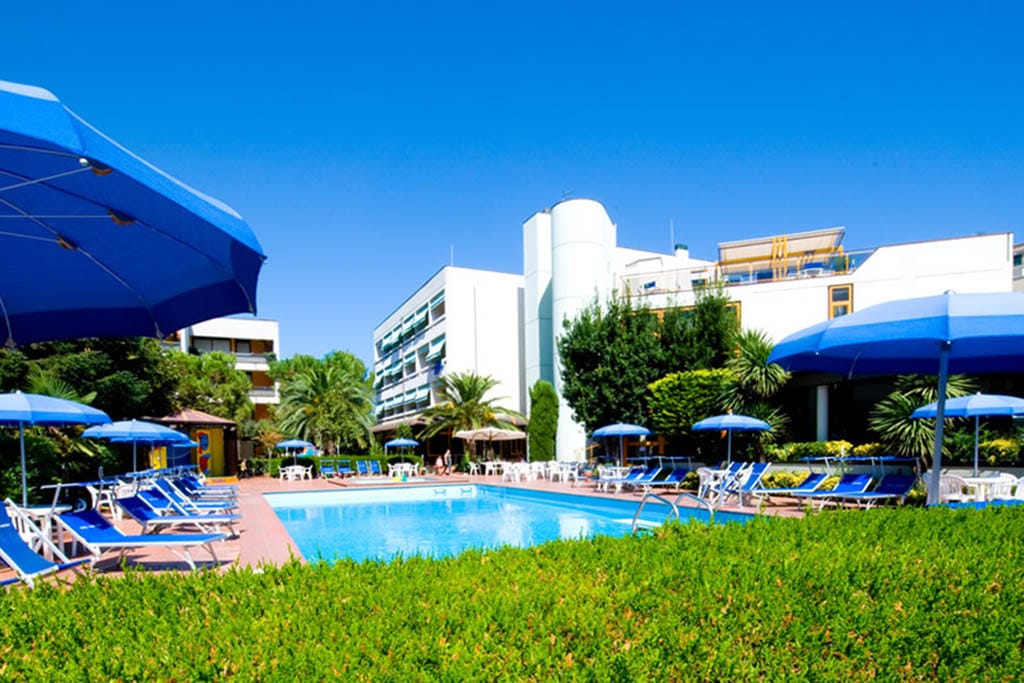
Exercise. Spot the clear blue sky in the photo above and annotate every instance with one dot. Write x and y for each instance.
(362, 140)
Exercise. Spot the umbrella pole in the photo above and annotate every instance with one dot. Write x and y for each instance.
(135, 464)
(976, 418)
(24, 477)
(940, 420)
(728, 452)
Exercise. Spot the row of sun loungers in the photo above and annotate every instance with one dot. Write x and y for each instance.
(158, 504)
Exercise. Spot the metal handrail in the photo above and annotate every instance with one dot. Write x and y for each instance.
(697, 499)
(655, 496)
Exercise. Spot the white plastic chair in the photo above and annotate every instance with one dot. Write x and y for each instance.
(953, 489)
(1002, 488)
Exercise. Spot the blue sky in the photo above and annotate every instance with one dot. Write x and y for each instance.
(363, 141)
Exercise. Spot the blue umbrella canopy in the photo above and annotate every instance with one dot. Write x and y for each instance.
(937, 335)
(97, 242)
(134, 432)
(20, 409)
(621, 430)
(293, 443)
(398, 443)
(977, 406)
(731, 423)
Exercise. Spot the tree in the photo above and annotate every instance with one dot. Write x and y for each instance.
(543, 420)
(890, 419)
(327, 401)
(211, 383)
(131, 377)
(464, 404)
(680, 399)
(713, 328)
(609, 354)
(753, 382)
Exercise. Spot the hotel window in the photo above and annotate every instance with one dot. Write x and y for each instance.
(840, 300)
(243, 346)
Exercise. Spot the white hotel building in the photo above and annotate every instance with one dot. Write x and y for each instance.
(505, 325)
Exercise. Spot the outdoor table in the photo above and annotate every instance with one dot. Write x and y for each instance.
(492, 467)
(293, 472)
(980, 486)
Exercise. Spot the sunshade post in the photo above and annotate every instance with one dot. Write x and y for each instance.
(728, 452)
(24, 478)
(976, 418)
(940, 423)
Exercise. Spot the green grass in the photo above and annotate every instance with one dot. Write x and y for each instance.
(909, 594)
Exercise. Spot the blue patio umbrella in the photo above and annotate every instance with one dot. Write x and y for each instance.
(977, 406)
(135, 432)
(621, 430)
(293, 445)
(730, 423)
(936, 335)
(96, 242)
(20, 409)
(400, 443)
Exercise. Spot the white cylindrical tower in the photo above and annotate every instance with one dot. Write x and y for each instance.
(582, 247)
(537, 335)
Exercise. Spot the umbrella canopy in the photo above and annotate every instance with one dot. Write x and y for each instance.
(621, 430)
(134, 432)
(295, 445)
(398, 443)
(730, 423)
(937, 335)
(95, 241)
(977, 406)
(20, 409)
(490, 434)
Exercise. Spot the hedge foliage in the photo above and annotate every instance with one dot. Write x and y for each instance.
(909, 594)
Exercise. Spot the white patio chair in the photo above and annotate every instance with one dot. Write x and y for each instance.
(953, 489)
(1002, 488)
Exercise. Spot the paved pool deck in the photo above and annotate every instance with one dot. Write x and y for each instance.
(262, 539)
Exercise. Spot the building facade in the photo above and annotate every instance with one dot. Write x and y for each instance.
(778, 285)
(460, 320)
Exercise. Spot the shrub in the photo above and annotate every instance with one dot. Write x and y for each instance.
(866, 450)
(908, 594)
(998, 452)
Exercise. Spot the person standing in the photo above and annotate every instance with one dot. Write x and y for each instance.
(448, 461)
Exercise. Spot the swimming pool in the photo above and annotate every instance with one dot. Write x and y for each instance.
(438, 521)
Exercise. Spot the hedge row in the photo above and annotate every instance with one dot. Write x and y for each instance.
(910, 594)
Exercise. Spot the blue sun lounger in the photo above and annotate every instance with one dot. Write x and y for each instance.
(152, 521)
(375, 468)
(848, 484)
(891, 487)
(674, 479)
(98, 536)
(28, 565)
(362, 469)
(645, 479)
(813, 481)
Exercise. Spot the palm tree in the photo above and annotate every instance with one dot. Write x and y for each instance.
(329, 403)
(754, 381)
(464, 405)
(890, 419)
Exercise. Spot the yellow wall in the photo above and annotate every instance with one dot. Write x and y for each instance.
(215, 450)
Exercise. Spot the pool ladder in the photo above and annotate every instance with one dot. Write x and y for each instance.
(673, 505)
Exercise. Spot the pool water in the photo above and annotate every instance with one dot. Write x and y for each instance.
(438, 521)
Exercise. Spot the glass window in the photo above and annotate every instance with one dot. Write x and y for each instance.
(840, 300)
(243, 346)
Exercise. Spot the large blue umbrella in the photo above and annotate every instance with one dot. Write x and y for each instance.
(135, 432)
(400, 443)
(20, 409)
(622, 430)
(730, 423)
(936, 335)
(95, 241)
(977, 406)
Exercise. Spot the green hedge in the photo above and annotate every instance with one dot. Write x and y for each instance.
(911, 594)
